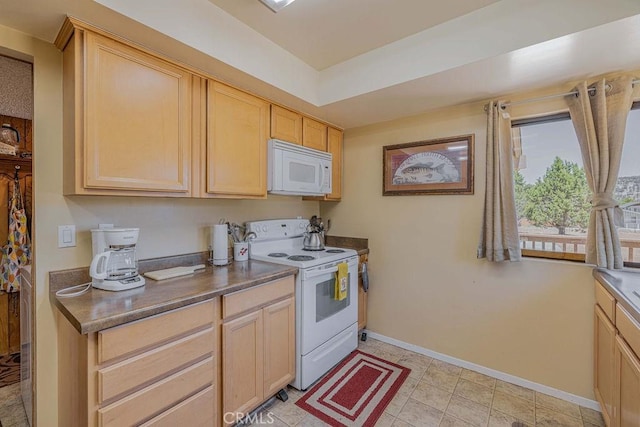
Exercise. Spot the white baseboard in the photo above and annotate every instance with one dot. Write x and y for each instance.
(587, 403)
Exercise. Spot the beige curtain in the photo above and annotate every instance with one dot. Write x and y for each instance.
(499, 235)
(600, 119)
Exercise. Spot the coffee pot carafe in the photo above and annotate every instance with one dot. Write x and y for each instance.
(115, 266)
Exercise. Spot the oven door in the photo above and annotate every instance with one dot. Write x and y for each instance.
(323, 316)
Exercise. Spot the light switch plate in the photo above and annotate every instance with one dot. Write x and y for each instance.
(66, 236)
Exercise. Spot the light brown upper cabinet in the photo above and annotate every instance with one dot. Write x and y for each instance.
(334, 145)
(286, 125)
(236, 148)
(314, 134)
(137, 123)
(127, 120)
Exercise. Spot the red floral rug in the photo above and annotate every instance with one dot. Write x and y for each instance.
(356, 391)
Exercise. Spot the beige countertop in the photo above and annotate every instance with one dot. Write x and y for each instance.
(624, 285)
(97, 309)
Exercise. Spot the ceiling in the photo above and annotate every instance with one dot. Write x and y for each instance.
(326, 32)
(357, 62)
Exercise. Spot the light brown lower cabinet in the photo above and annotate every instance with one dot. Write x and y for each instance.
(627, 389)
(242, 364)
(616, 361)
(150, 372)
(258, 346)
(605, 343)
(362, 294)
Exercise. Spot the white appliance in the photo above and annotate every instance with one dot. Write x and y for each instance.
(115, 266)
(326, 328)
(26, 354)
(297, 170)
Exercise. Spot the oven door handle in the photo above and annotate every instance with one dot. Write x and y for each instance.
(315, 273)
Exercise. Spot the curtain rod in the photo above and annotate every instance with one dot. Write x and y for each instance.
(543, 98)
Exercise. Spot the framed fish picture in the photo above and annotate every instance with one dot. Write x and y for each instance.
(438, 166)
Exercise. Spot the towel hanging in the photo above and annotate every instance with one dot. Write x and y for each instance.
(342, 282)
(17, 251)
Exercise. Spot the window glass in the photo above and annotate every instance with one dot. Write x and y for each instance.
(552, 196)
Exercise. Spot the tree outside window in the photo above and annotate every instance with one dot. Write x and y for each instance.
(552, 196)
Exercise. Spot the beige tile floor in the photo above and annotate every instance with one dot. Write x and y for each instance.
(11, 410)
(440, 394)
(435, 394)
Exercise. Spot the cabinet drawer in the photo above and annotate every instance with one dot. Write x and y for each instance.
(606, 301)
(196, 411)
(139, 371)
(160, 396)
(241, 301)
(137, 336)
(628, 328)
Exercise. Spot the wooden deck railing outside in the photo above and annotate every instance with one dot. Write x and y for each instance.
(574, 244)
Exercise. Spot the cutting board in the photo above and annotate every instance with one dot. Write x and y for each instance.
(169, 273)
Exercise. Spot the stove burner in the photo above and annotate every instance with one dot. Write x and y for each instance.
(301, 258)
(335, 251)
(278, 254)
(312, 250)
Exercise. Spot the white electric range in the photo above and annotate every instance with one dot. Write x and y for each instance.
(326, 328)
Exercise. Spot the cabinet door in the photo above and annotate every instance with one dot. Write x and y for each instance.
(242, 363)
(627, 387)
(334, 145)
(604, 342)
(362, 305)
(236, 158)
(137, 120)
(314, 134)
(279, 345)
(286, 125)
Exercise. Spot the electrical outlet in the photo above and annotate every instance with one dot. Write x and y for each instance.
(66, 236)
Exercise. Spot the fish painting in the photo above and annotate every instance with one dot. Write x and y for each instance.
(426, 168)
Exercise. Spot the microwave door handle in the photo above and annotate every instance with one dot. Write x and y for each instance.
(321, 175)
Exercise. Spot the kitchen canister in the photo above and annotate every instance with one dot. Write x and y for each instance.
(241, 251)
(219, 244)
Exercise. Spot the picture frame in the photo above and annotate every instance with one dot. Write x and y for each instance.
(437, 166)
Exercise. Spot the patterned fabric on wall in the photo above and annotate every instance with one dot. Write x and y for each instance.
(17, 251)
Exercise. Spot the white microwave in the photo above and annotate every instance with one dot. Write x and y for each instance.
(295, 170)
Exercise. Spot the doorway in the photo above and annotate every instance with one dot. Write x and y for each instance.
(17, 314)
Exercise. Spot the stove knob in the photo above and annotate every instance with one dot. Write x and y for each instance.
(264, 228)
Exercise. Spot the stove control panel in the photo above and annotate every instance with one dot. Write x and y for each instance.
(277, 228)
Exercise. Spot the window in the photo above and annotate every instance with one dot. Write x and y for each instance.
(552, 196)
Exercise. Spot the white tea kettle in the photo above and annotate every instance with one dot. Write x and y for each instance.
(314, 236)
